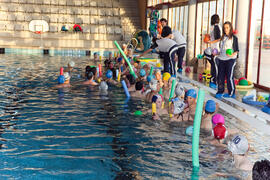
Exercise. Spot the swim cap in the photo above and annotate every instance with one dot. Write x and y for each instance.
(191, 93)
(139, 85)
(179, 105)
(66, 75)
(220, 131)
(142, 73)
(189, 130)
(179, 90)
(61, 79)
(149, 78)
(156, 97)
(166, 76)
(218, 118)
(210, 106)
(119, 59)
(208, 51)
(238, 145)
(153, 84)
(71, 64)
(109, 74)
(103, 86)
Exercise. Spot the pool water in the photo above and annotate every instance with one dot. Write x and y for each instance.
(77, 133)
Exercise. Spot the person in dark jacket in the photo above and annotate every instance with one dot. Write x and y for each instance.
(215, 34)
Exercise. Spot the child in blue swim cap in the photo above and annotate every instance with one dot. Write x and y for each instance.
(190, 97)
(66, 82)
(210, 108)
(109, 77)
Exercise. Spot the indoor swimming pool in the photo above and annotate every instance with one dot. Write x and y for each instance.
(78, 133)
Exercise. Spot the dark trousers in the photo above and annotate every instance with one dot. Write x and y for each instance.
(180, 53)
(225, 69)
(169, 62)
(214, 67)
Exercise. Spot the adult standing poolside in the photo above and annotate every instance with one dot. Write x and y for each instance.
(181, 41)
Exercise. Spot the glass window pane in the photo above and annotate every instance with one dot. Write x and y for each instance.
(212, 12)
(220, 10)
(265, 51)
(200, 11)
(255, 28)
(186, 22)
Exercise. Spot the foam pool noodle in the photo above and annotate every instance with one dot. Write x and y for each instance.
(163, 103)
(126, 59)
(125, 88)
(119, 76)
(100, 70)
(151, 71)
(61, 71)
(196, 129)
(116, 73)
(154, 108)
(172, 93)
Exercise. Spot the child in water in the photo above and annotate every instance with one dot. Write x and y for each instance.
(90, 78)
(220, 133)
(177, 108)
(109, 76)
(96, 56)
(239, 148)
(66, 83)
(210, 108)
(191, 96)
(158, 100)
(139, 90)
(70, 67)
(154, 86)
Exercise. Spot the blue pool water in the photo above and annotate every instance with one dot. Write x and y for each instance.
(78, 134)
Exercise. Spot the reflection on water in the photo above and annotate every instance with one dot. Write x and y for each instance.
(82, 133)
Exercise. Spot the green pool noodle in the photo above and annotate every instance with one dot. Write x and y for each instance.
(172, 89)
(126, 59)
(151, 71)
(196, 129)
(160, 91)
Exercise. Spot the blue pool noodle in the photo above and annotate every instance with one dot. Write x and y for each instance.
(125, 88)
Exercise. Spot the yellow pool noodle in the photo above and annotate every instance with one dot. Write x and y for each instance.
(154, 108)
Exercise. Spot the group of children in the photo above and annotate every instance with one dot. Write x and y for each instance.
(167, 96)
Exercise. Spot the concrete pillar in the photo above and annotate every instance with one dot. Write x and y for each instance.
(242, 15)
(191, 29)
